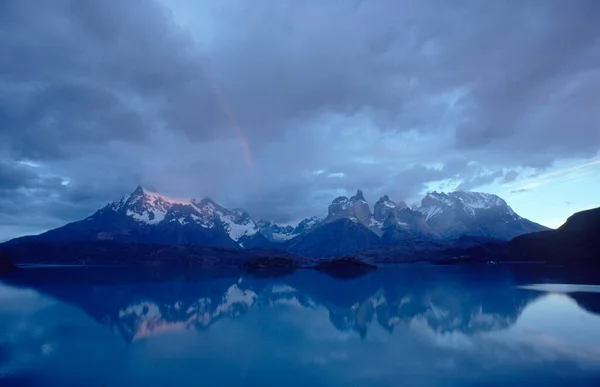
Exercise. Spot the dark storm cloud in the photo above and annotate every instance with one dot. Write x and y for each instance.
(388, 96)
(86, 73)
(479, 180)
(12, 177)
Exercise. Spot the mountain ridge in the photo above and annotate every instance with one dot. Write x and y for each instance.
(144, 216)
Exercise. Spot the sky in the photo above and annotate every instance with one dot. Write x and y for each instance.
(280, 106)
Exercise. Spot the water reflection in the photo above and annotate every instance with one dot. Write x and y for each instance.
(447, 300)
(467, 324)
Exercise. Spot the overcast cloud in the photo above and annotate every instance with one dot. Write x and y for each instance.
(279, 106)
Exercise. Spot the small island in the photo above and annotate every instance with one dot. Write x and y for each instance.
(344, 267)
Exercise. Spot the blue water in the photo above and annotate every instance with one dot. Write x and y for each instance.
(399, 326)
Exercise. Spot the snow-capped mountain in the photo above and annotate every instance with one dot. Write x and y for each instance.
(473, 213)
(350, 225)
(386, 214)
(275, 232)
(398, 219)
(356, 208)
(150, 208)
(148, 217)
(384, 206)
(308, 224)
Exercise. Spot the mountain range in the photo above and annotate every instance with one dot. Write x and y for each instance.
(349, 226)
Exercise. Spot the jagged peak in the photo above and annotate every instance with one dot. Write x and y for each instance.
(340, 199)
(358, 196)
(139, 190)
(145, 198)
(384, 198)
(385, 201)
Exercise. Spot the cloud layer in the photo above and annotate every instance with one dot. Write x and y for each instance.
(278, 107)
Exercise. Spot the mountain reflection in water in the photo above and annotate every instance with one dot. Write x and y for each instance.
(470, 325)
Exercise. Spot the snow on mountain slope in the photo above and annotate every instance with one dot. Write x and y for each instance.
(356, 208)
(430, 212)
(148, 217)
(150, 208)
(280, 233)
(478, 199)
(434, 204)
(308, 224)
(237, 226)
(473, 213)
(147, 207)
(276, 232)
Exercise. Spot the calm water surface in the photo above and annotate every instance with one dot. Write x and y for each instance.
(399, 326)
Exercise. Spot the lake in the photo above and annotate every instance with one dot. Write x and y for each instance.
(412, 325)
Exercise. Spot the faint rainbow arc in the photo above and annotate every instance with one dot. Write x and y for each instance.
(231, 117)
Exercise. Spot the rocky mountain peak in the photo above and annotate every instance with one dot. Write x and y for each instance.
(354, 208)
(208, 208)
(359, 196)
(384, 198)
(473, 213)
(145, 216)
(138, 191)
(275, 232)
(385, 206)
(148, 207)
(340, 199)
(307, 224)
(282, 232)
